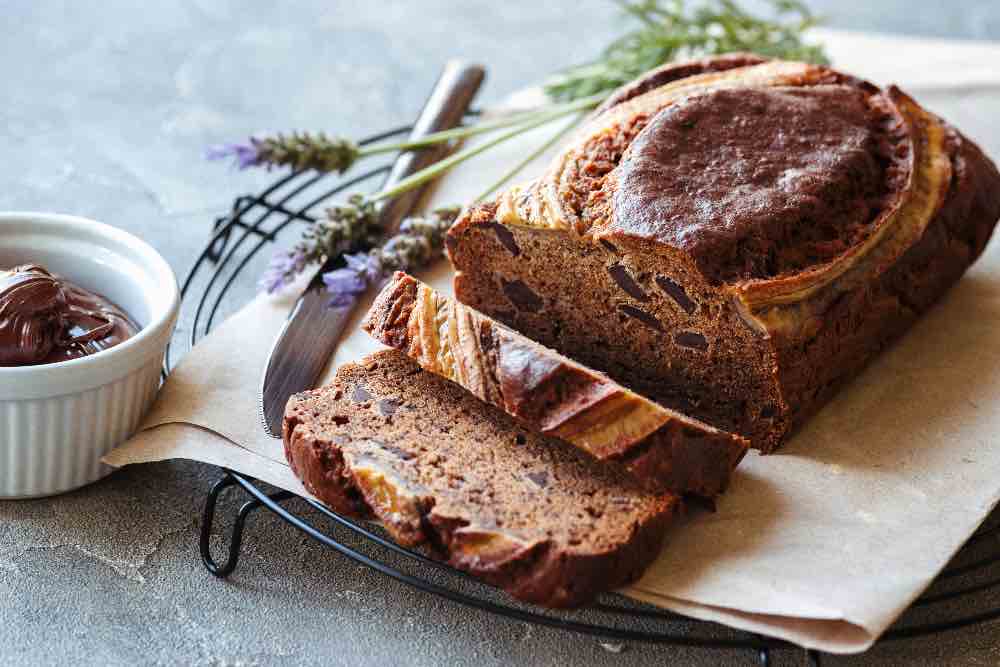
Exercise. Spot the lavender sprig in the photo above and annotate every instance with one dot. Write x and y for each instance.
(298, 150)
(346, 227)
(419, 241)
(284, 266)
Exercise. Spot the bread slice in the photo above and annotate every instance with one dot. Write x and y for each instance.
(734, 238)
(440, 468)
(550, 393)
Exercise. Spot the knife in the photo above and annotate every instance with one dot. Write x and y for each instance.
(313, 329)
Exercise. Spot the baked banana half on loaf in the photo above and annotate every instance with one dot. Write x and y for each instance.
(552, 394)
(734, 237)
(440, 469)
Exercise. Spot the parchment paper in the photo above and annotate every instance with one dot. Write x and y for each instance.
(824, 544)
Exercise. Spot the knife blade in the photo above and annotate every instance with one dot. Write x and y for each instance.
(313, 329)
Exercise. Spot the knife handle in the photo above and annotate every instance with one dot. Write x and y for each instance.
(443, 110)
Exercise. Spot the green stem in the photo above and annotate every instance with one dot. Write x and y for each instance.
(445, 165)
(528, 160)
(519, 119)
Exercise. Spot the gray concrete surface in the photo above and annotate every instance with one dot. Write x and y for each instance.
(107, 109)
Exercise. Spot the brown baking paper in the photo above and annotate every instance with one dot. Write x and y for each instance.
(823, 544)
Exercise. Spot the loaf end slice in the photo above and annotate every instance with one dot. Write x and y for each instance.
(546, 391)
(439, 468)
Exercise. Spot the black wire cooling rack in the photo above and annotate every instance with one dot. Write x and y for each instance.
(966, 593)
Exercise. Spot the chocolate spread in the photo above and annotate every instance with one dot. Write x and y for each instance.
(45, 319)
(755, 183)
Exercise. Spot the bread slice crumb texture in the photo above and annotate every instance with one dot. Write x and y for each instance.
(440, 468)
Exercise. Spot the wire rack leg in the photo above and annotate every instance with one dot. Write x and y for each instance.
(813, 658)
(764, 657)
(235, 540)
(236, 536)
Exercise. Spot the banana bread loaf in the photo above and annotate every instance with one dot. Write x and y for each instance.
(552, 394)
(734, 238)
(439, 468)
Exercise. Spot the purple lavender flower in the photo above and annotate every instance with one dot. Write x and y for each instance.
(246, 154)
(346, 283)
(365, 263)
(284, 266)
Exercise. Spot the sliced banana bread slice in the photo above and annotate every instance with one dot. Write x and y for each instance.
(439, 468)
(664, 449)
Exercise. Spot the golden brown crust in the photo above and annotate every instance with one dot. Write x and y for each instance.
(551, 393)
(671, 72)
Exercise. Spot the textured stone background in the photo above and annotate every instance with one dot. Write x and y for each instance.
(107, 109)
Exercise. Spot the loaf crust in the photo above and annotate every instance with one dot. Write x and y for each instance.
(746, 311)
(442, 470)
(549, 392)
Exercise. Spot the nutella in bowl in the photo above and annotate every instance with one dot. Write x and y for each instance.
(45, 319)
(86, 313)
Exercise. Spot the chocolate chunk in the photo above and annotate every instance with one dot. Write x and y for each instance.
(626, 282)
(521, 296)
(609, 245)
(395, 451)
(691, 339)
(506, 238)
(641, 315)
(360, 394)
(540, 477)
(677, 293)
(388, 406)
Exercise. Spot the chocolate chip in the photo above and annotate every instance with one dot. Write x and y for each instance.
(340, 420)
(609, 245)
(387, 406)
(541, 478)
(641, 315)
(626, 282)
(520, 439)
(360, 394)
(677, 293)
(396, 451)
(691, 339)
(521, 296)
(506, 238)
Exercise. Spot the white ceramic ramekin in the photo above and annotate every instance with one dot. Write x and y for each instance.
(58, 420)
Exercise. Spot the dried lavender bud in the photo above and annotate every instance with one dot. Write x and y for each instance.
(419, 241)
(346, 283)
(284, 266)
(245, 155)
(345, 227)
(299, 150)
